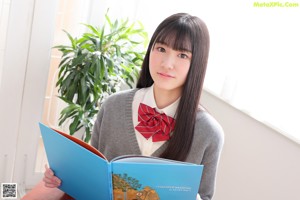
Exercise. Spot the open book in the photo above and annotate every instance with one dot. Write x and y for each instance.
(87, 174)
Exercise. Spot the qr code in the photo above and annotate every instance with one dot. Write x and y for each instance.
(9, 190)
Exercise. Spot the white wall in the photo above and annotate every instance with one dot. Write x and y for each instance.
(257, 162)
(22, 87)
(4, 13)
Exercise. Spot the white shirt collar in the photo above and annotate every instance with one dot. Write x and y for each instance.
(150, 101)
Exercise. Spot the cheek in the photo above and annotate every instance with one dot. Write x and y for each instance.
(153, 59)
(184, 69)
(151, 68)
(153, 63)
(184, 77)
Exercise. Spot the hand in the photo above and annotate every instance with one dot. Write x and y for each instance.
(50, 180)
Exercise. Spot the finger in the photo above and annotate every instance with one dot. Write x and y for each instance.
(52, 179)
(48, 183)
(51, 183)
(49, 175)
(57, 180)
(49, 180)
(48, 170)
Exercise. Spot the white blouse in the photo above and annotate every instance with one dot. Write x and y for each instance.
(146, 96)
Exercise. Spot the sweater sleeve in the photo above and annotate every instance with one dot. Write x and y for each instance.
(210, 162)
(212, 141)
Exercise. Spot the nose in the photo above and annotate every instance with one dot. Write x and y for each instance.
(168, 62)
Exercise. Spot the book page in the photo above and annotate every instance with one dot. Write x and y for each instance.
(82, 143)
(147, 159)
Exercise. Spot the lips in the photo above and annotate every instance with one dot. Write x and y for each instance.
(165, 75)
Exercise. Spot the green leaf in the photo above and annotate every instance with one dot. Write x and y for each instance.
(79, 60)
(108, 20)
(93, 29)
(65, 100)
(83, 88)
(97, 70)
(102, 68)
(88, 135)
(73, 41)
(74, 125)
(94, 66)
(69, 109)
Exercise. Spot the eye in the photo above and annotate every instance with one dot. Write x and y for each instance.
(161, 49)
(183, 55)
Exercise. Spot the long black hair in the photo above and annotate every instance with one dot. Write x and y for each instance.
(182, 31)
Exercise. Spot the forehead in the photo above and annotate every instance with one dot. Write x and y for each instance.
(176, 39)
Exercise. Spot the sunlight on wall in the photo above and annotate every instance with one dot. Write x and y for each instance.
(256, 59)
(4, 12)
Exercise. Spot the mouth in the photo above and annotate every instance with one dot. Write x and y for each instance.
(165, 75)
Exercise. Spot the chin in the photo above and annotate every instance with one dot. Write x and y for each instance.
(167, 86)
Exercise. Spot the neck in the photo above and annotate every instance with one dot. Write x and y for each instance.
(164, 98)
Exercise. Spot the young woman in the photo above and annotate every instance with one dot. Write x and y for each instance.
(162, 117)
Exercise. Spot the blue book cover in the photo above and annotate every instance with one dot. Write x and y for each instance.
(151, 178)
(86, 173)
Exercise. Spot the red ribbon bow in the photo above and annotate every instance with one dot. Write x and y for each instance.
(155, 124)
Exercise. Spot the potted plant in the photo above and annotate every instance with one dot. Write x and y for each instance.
(94, 66)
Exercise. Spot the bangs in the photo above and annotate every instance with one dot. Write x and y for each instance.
(176, 37)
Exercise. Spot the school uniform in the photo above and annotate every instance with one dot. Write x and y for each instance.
(114, 134)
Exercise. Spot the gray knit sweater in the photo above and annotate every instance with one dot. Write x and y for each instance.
(115, 139)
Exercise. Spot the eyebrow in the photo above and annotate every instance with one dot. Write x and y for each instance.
(181, 49)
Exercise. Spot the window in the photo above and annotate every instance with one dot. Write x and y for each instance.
(254, 63)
